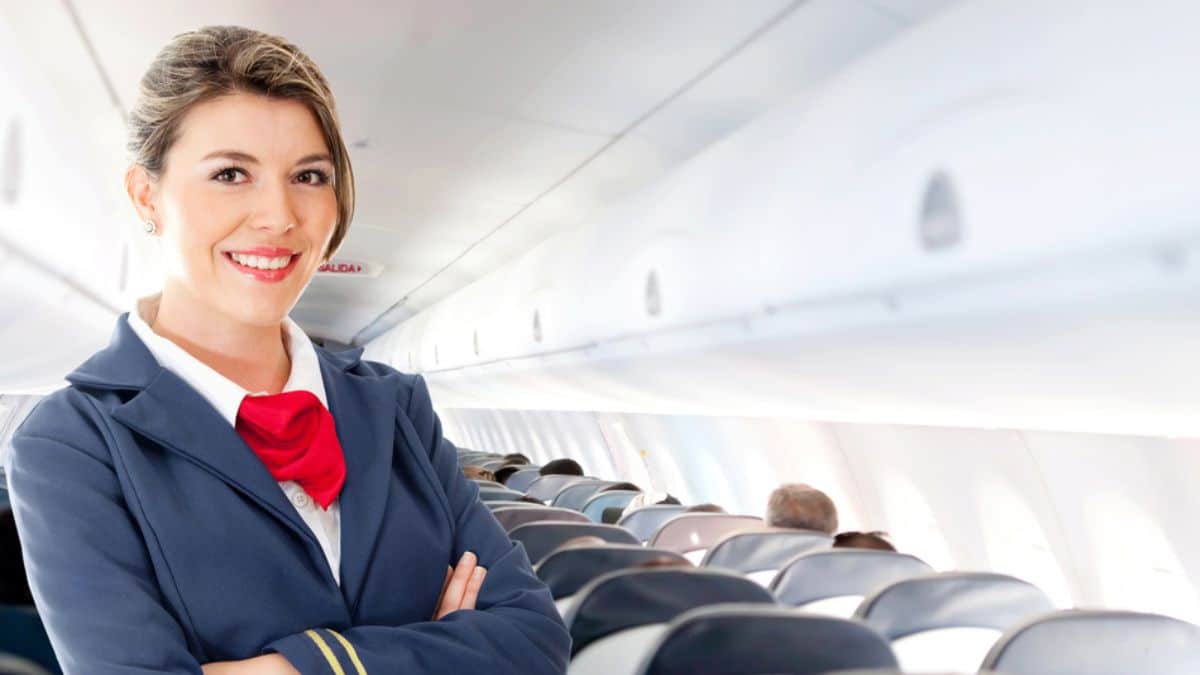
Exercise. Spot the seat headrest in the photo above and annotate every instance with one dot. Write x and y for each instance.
(569, 570)
(952, 600)
(691, 531)
(513, 517)
(747, 552)
(636, 597)
(757, 639)
(645, 521)
(839, 572)
(1098, 642)
(539, 539)
(547, 487)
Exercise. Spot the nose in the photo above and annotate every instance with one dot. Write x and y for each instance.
(274, 212)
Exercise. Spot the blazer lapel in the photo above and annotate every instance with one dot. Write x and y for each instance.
(364, 410)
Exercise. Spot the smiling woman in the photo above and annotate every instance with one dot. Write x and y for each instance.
(237, 499)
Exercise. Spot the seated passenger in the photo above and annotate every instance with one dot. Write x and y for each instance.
(14, 588)
(566, 467)
(516, 459)
(705, 508)
(872, 540)
(501, 475)
(478, 473)
(803, 507)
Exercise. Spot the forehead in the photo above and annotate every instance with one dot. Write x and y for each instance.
(271, 129)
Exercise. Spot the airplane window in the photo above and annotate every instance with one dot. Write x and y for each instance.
(1017, 544)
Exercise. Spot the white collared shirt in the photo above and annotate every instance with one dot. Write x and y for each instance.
(226, 397)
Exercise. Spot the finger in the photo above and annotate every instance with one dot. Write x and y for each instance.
(472, 592)
(452, 598)
(442, 594)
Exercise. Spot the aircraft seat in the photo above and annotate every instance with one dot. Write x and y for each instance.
(540, 539)
(511, 518)
(949, 621)
(692, 533)
(547, 487)
(523, 478)
(759, 555)
(645, 521)
(608, 606)
(763, 639)
(594, 507)
(834, 582)
(565, 572)
(498, 493)
(575, 495)
(1098, 642)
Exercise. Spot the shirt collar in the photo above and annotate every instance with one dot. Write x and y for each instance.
(224, 394)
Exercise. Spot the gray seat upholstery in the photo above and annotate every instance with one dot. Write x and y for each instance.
(637, 597)
(547, 487)
(951, 600)
(693, 531)
(842, 572)
(1097, 642)
(567, 571)
(765, 550)
(498, 493)
(575, 495)
(750, 639)
(540, 539)
(594, 507)
(644, 522)
(522, 479)
(513, 517)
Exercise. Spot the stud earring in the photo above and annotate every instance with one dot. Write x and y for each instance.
(151, 227)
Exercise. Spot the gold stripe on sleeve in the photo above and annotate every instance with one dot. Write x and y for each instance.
(358, 666)
(326, 651)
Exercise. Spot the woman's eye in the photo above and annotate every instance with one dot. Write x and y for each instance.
(314, 177)
(228, 175)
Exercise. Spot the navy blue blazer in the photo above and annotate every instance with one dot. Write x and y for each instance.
(155, 540)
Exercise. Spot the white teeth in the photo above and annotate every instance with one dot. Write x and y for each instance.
(260, 262)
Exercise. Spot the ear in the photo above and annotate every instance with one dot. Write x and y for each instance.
(139, 185)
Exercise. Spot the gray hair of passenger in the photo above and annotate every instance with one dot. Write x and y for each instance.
(802, 507)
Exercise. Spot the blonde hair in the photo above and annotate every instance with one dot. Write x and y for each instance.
(216, 61)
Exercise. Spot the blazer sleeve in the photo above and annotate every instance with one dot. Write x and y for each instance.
(515, 628)
(88, 567)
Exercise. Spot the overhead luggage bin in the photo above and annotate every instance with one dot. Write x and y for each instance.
(540, 539)
(949, 621)
(645, 521)
(1098, 642)
(512, 518)
(635, 598)
(758, 639)
(835, 581)
(760, 555)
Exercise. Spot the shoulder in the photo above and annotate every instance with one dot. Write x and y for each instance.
(412, 394)
(68, 417)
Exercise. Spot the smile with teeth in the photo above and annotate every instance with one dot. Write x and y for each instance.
(261, 262)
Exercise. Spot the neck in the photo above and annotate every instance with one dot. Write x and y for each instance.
(252, 356)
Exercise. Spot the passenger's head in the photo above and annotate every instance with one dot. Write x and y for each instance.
(515, 458)
(478, 473)
(705, 508)
(803, 507)
(621, 486)
(663, 561)
(238, 161)
(504, 472)
(566, 467)
(872, 540)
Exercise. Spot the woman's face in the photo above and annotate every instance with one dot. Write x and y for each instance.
(245, 206)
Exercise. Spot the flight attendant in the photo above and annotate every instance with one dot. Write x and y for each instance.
(212, 493)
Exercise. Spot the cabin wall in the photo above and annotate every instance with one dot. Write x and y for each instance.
(1083, 516)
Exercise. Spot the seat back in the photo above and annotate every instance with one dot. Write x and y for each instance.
(758, 639)
(644, 522)
(697, 531)
(22, 635)
(523, 478)
(513, 517)
(836, 573)
(498, 493)
(595, 505)
(547, 487)
(576, 494)
(637, 597)
(949, 621)
(567, 571)
(763, 551)
(1091, 642)
(539, 539)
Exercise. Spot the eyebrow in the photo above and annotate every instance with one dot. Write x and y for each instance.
(239, 156)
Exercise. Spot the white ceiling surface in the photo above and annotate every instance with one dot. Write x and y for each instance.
(487, 126)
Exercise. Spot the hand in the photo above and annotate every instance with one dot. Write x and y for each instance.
(461, 587)
(267, 664)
